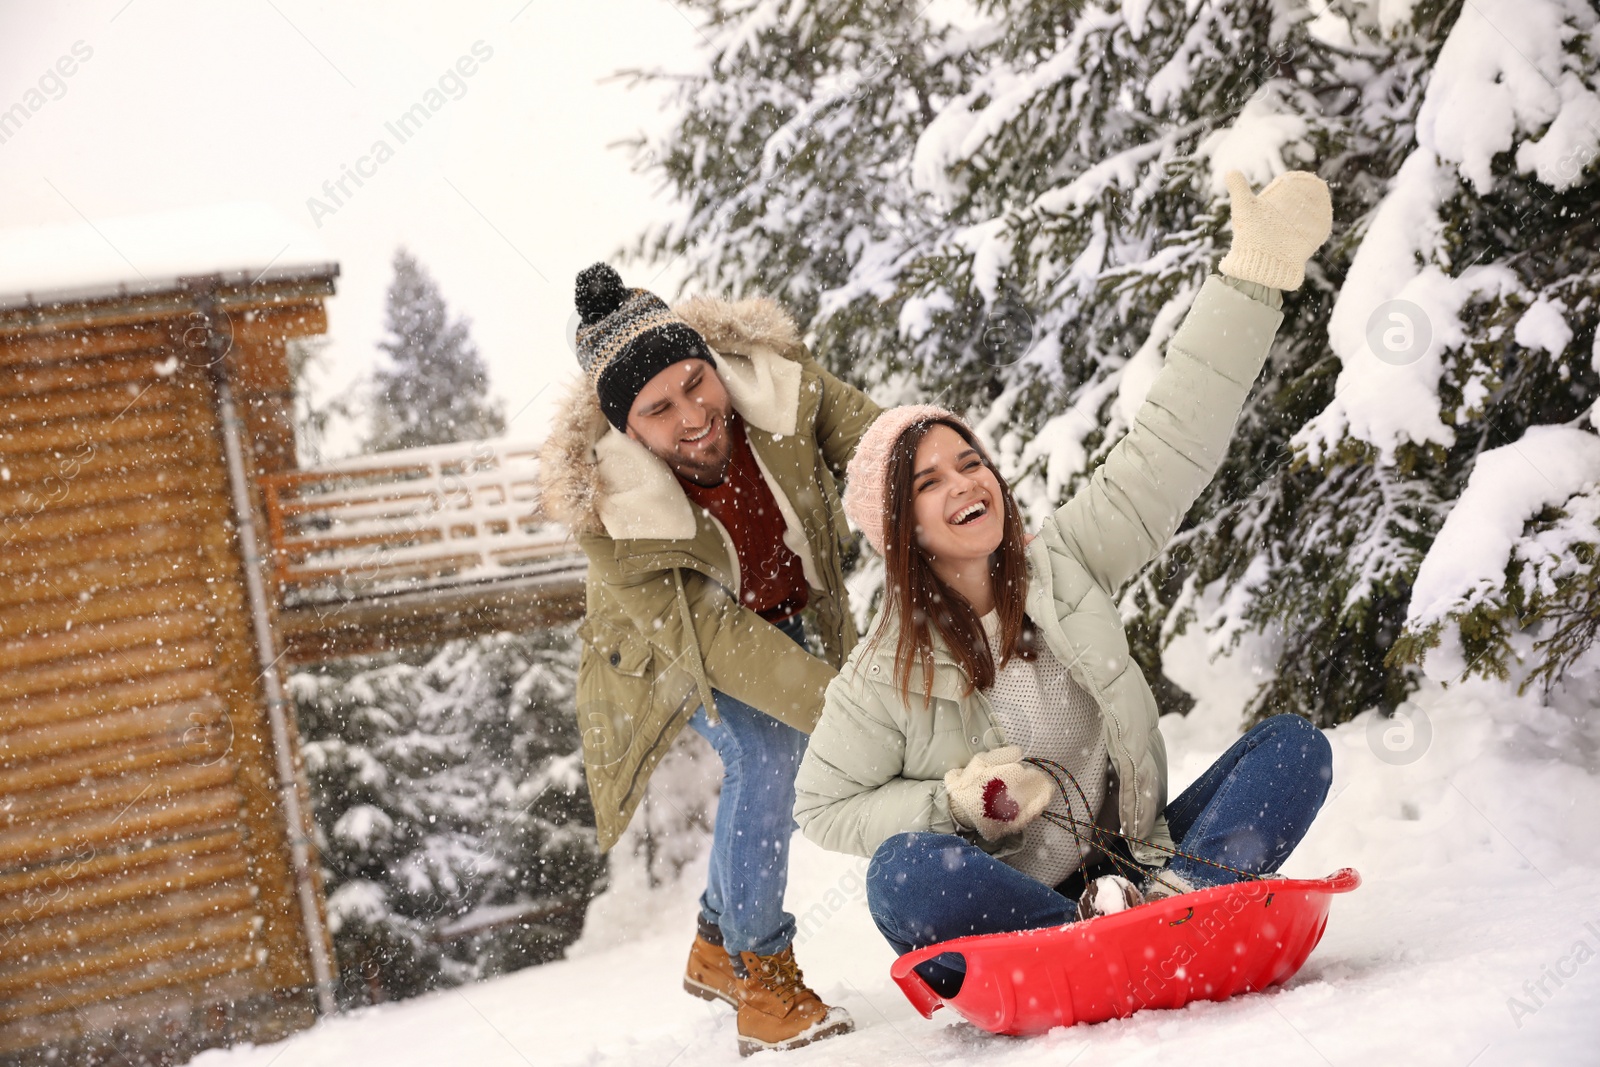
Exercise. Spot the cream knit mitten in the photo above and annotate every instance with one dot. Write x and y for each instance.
(1274, 233)
(997, 794)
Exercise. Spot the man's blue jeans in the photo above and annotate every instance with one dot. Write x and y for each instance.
(1249, 811)
(749, 867)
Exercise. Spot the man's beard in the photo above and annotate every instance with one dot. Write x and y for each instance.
(707, 471)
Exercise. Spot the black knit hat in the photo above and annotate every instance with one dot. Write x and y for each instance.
(626, 337)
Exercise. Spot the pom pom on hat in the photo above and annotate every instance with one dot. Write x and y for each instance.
(867, 477)
(599, 292)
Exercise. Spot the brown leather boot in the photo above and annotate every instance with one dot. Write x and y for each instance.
(1107, 895)
(777, 1010)
(710, 974)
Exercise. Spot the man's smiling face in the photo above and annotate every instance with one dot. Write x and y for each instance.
(681, 415)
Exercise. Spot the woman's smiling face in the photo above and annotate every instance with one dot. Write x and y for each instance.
(956, 500)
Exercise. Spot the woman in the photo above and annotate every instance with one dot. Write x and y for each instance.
(994, 651)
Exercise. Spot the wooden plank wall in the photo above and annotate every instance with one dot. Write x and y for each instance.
(144, 874)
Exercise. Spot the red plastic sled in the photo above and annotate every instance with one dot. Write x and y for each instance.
(1207, 945)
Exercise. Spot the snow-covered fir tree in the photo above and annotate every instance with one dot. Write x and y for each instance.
(1012, 214)
(454, 828)
(1485, 239)
(434, 388)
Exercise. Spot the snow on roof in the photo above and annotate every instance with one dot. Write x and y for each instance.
(150, 253)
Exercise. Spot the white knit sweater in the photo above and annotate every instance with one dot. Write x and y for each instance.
(1040, 708)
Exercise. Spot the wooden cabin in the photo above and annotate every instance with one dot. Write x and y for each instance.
(163, 557)
(157, 892)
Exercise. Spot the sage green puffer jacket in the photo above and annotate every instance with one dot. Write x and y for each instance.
(876, 763)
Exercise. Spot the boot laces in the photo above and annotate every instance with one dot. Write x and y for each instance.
(781, 974)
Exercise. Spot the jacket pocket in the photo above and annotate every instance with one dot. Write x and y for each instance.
(616, 696)
(622, 650)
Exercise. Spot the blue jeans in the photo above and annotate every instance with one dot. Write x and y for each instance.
(1249, 811)
(749, 867)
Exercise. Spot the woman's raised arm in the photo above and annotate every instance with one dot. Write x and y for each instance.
(1134, 501)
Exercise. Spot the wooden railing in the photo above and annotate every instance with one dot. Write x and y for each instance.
(446, 515)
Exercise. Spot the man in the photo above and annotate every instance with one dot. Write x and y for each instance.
(696, 465)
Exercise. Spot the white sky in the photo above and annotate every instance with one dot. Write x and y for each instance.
(504, 195)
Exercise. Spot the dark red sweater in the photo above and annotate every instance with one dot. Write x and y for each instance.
(771, 579)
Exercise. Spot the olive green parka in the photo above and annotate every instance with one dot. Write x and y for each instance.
(876, 763)
(663, 625)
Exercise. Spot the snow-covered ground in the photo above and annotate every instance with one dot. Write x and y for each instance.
(1474, 940)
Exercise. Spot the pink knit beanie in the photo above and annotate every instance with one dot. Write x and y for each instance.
(867, 476)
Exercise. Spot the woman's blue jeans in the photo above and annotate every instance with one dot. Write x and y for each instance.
(1249, 811)
(749, 867)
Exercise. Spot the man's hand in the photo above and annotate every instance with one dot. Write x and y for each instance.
(997, 794)
(1276, 232)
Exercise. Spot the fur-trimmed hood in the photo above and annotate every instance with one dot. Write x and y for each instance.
(594, 479)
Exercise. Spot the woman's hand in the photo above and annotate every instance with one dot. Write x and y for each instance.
(997, 794)
(1276, 232)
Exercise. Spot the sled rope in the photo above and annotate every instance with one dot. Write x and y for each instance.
(1098, 835)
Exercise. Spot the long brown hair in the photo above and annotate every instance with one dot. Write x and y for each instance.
(922, 602)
